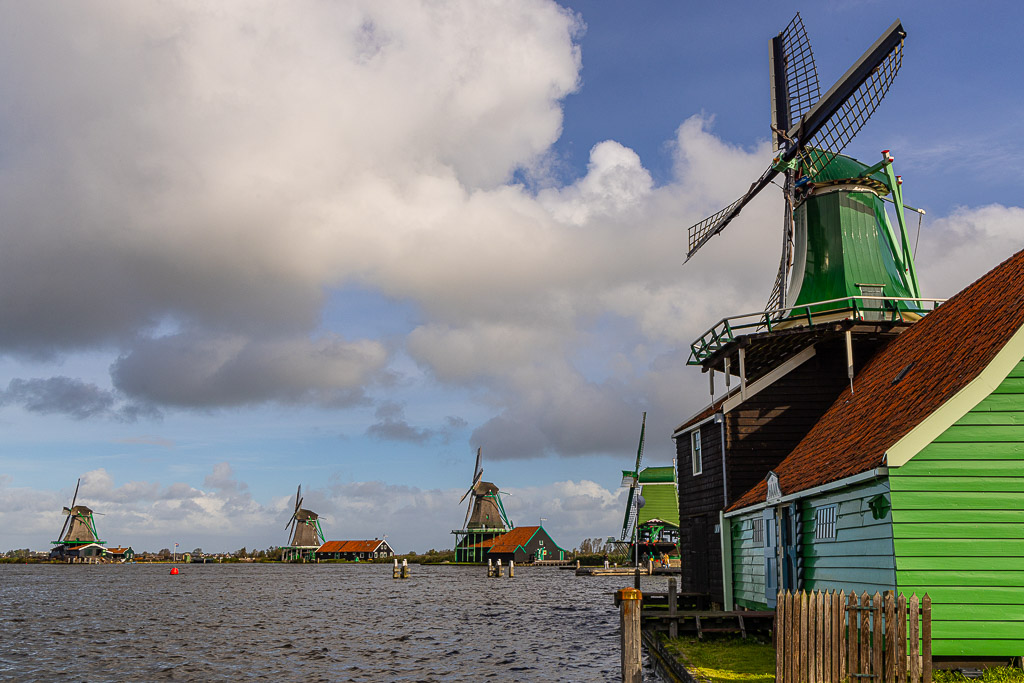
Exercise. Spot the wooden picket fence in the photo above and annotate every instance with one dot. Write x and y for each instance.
(829, 637)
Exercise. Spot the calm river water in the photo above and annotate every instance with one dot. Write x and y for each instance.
(327, 622)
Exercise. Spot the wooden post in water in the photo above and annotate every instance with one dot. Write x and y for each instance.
(629, 620)
(511, 569)
(577, 564)
(500, 572)
(673, 604)
(490, 568)
(650, 567)
(395, 572)
(405, 569)
(636, 578)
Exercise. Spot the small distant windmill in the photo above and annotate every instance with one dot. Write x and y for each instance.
(485, 510)
(79, 526)
(634, 501)
(306, 534)
(837, 241)
(485, 517)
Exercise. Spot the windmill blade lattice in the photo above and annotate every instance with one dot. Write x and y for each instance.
(627, 520)
(795, 75)
(823, 130)
(844, 125)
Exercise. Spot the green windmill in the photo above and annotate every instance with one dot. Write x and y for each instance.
(78, 537)
(840, 253)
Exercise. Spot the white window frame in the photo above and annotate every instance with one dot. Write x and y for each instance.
(826, 520)
(696, 452)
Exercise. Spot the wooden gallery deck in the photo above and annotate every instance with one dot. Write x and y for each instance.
(688, 614)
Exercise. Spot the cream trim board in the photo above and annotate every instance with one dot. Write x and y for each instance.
(769, 379)
(955, 408)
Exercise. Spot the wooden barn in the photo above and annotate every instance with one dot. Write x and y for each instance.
(524, 544)
(913, 480)
(355, 551)
(778, 384)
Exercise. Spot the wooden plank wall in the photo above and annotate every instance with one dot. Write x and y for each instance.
(700, 496)
(861, 555)
(747, 563)
(958, 523)
(763, 430)
(829, 637)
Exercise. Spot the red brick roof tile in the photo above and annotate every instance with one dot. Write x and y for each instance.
(349, 546)
(940, 355)
(507, 543)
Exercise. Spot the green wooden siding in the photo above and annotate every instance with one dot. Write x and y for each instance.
(860, 558)
(747, 563)
(958, 524)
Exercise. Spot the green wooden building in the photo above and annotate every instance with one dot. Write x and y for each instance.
(913, 480)
(658, 520)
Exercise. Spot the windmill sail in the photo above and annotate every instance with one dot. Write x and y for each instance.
(630, 516)
(825, 129)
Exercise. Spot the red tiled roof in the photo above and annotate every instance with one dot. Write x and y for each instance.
(507, 543)
(349, 546)
(116, 551)
(940, 355)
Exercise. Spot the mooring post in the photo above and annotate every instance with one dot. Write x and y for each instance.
(577, 564)
(501, 572)
(490, 569)
(673, 604)
(511, 568)
(629, 619)
(395, 571)
(405, 569)
(650, 567)
(636, 578)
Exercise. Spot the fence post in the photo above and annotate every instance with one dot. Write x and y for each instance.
(852, 636)
(890, 636)
(781, 646)
(793, 668)
(915, 644)
(838, 626)
(673, 605)
(865, 634)
(901, 639)
(841, 617)
(877, 643)
(629, 620)
(926, 638)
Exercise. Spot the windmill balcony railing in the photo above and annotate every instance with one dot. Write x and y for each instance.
(864, 308)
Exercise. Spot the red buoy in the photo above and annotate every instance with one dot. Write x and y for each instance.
(174, 570)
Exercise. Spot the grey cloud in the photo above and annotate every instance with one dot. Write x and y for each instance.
(199, 371)
(72, 397)
(392, 426)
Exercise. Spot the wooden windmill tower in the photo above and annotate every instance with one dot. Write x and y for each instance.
(485, 518)
(79, 529)
(846, 286)
(305, 532)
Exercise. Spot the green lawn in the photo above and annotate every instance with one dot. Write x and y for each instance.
(993, 675)
(725, 660)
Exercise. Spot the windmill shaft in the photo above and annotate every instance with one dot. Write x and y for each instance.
(819, 114)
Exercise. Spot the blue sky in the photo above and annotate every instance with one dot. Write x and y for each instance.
(345, 245)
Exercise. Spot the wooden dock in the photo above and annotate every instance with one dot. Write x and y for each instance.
(690, 614)
(611, 571)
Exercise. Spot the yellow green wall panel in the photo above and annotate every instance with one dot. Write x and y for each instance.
(958, 527)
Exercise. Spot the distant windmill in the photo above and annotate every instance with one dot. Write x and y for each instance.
(634, 501)
(485, 518)
(306, 534)
(79, 529)
(79, 523)
(485, 510)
